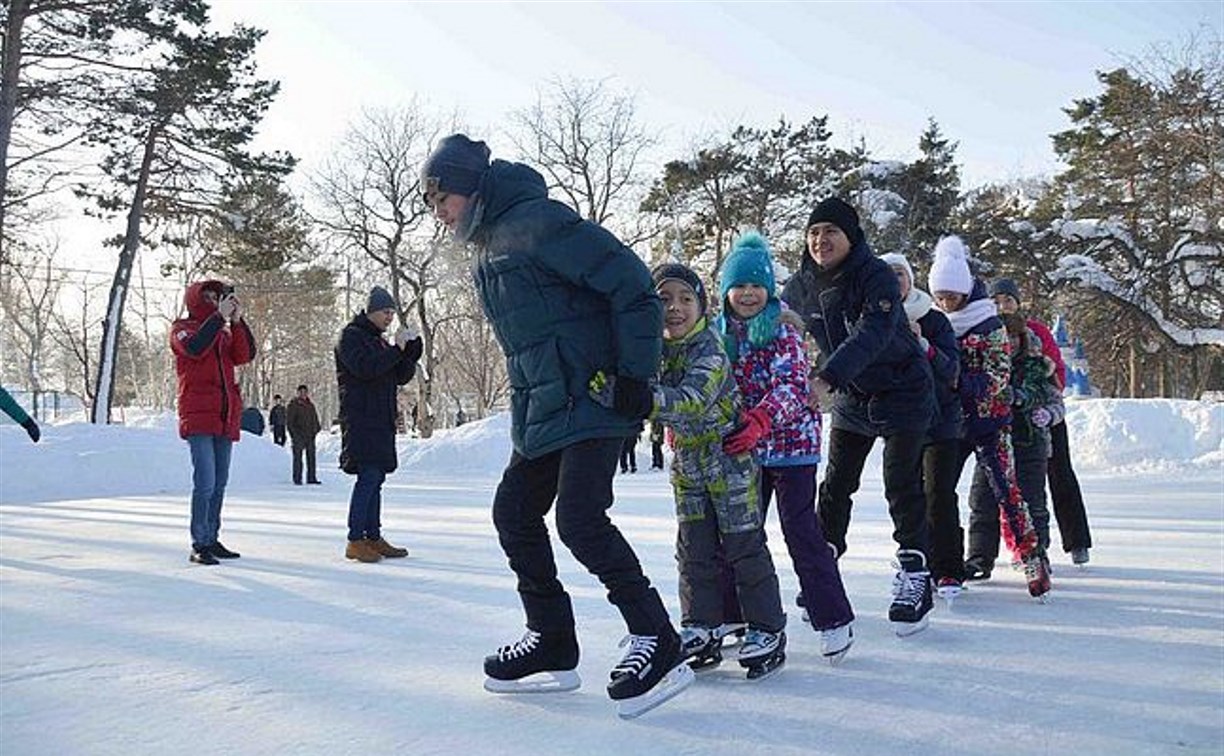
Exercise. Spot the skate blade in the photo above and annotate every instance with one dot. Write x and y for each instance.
(835, 658)
(667, 688)
(704, 664)
(540, 682)
(767, 669)
(906, 629)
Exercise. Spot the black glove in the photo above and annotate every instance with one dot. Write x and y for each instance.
(414, 348)
(31, 428)
(632, 398)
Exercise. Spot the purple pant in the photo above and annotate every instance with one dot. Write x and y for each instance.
(824, 595)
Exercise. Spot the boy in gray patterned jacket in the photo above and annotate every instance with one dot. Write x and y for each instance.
(717, 499)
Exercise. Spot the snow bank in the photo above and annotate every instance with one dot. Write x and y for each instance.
(146, 457)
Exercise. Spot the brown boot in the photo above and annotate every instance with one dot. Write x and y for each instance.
(387, 550)
(362, 551)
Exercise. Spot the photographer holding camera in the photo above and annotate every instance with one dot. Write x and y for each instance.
(208, 344)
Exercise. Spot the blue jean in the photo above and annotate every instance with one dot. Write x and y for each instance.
(210, 462)
(365, 505)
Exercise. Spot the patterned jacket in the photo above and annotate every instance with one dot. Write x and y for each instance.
(775, 378)
(696, 397)
(1034, 383)
(985, 372)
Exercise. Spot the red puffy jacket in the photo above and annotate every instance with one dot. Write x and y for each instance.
(205, 353)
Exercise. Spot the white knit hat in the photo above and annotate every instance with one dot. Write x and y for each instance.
(896, 260)
(950, 270)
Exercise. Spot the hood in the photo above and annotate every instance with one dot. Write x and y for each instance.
(505, 185)
(197, 307)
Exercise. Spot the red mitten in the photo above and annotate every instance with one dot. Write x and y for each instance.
(753, 427)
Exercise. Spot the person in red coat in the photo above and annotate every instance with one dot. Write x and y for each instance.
(207, 345)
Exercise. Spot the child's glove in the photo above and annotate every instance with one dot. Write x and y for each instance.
(623, 395)
(31, 428)
(1042, 417)
(754, 426)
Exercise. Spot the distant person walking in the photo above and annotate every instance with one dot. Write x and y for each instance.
(302, 420)
(208, 344)
(369, 371)
(14, 410)
(276, 418)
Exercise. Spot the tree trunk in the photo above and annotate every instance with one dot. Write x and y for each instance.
(111, 324)
(1133, 360)
(17, 12)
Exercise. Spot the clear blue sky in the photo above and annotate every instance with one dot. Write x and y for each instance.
(994, 75)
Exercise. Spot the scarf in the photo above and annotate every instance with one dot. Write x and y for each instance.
(917, 304)
(971, 314)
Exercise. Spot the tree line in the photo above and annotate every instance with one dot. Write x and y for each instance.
(140, 110)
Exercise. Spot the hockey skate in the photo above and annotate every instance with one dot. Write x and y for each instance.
(701, 647)
(803, 612)
(911, 593)
(1037, 576)
(731, 633)
(534, 664)
(949, 589)
(762, 653)
(652, 672)
(836, 642)
(1079, 557)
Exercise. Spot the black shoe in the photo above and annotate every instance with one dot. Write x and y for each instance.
(911, 590)
(221, 552)
(297, 482)
(203, 556)
(535, 652)
(648, 660)
(315, 482)
(977, 568)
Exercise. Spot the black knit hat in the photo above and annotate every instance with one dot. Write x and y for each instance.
(838, 212)
(1008, 287)
(686, 276)
(380, 299)
(455, 167)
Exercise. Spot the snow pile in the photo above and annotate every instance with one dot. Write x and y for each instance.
(1121, 435)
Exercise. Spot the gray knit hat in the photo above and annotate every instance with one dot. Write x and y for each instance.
(380, 299)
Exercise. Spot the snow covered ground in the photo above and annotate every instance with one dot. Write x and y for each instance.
(110, 642)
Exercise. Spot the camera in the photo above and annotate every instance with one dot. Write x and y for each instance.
(227, 290)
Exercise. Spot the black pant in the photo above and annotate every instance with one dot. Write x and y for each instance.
(941, 467)
(579, 479)
(902, 486)
(656, 455)
(628, 455)
(308, 447)
(1065, 494)
(278, 435)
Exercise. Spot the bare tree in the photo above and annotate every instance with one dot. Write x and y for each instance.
(28, 300)
(591, 147)
(370, 206)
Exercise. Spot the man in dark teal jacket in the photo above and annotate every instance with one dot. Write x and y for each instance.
(566, 300)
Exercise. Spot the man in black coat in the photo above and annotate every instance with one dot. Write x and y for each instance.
(276, 418)
(566, 299)
(879, 385)
(369, 371)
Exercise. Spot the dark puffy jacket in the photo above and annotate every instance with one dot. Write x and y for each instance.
(369, 371)
(302, 421)
(205, 354)
(944, 355)
(869, 356)
(565, 298)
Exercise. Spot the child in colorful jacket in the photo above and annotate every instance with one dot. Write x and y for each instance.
(1037, 405)
(765, 344)
(717, 502)
(986, 401)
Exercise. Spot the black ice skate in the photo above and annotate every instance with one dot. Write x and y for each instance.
(701, 646)
(535, 664)
(652, 671)
(911, 593)
(762, 653)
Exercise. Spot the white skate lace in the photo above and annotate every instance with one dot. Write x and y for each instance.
(522, 647)
(641, 651)
(908, 586)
